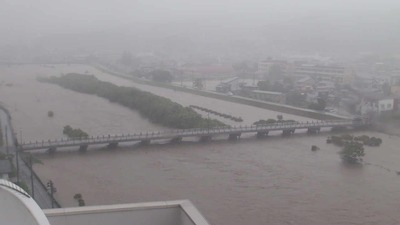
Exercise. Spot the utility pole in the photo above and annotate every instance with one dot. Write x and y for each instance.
(7, 141)
(52, 189)
(31, 168)
(17, 159)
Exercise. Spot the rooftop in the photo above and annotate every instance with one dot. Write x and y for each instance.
(17, 207)
(152, 213)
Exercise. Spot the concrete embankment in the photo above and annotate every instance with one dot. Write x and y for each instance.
(241, 100)
(25, 173)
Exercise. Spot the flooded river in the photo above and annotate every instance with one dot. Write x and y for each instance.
(278, 180)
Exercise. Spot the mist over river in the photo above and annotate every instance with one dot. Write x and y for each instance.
(277, 180)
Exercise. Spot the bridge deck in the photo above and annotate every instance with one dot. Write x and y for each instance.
(170, 134)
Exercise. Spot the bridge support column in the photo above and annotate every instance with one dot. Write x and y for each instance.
(51, 150)
(262, 134)
(83, 148)
(205, 138)
(112, 145)
(176, 140)
(234, 136)
(338, 129)
(288, 132)
(313, 130)
(145, 142)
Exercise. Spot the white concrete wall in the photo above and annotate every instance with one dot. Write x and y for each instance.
(385, 105)
(158, 213)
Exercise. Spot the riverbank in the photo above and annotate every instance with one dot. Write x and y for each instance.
(236, 99)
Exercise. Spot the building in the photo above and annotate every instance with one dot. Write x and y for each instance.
(269, 96)
(264, 66)
(18, 208)
(305, 84)
(336, 74)
(227, 85)
(205, 71)
(377, 106)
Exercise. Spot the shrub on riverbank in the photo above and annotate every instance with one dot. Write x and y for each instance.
(50, 113)
(226, 116)
(271, 121)
(157, 109)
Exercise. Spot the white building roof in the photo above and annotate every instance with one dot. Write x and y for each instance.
(17, 207)
(181, 212)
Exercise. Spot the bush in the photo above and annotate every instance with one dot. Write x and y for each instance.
(81, 202)
(50, 113)
(74, 133)
(77, 196)
(347, 137)
(314, 148)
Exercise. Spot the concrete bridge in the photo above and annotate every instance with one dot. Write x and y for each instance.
(233, 133)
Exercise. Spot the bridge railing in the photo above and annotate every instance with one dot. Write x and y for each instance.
(188, 132)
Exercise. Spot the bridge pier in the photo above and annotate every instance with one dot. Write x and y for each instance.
(83, 148)
(112, 145)
(338, 129)
(205, 138)
(288, 132)
(145, 142)
(313, 130)
(262, 134)
(176, 140)
(51, 150)
(234, 136)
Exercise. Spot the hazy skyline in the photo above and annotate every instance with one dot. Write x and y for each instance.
(276, 22)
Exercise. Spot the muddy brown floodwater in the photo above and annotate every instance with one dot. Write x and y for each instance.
(277, 180)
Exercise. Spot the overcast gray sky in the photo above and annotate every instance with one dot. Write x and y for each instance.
(22, 20)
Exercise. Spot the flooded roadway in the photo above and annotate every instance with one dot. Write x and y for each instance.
(273, 181)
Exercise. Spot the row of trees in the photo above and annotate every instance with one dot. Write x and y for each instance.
(279, 119)
(157, 109)
(224, 115)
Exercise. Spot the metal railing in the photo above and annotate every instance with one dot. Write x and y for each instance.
(180, 133)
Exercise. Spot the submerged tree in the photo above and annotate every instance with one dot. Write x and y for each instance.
(352, 152)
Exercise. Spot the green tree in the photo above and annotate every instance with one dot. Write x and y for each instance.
(198, 84)
(352, 152)
(320, 105)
